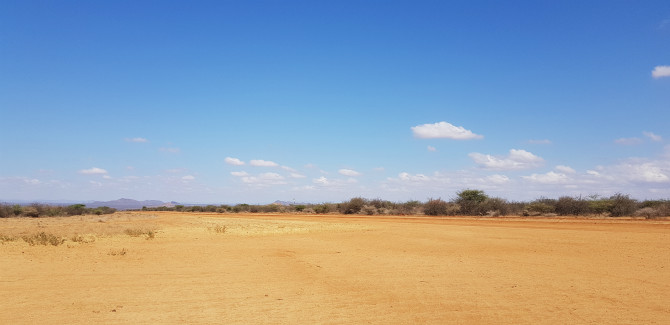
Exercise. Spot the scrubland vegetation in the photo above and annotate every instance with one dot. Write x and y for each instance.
(37, 210)
(466, 203)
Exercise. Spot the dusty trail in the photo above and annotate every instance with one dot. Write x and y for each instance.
(307, 269)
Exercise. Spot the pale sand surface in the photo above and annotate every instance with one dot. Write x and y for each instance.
(298, 269)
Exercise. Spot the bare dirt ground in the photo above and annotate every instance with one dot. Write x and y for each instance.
(290, 269)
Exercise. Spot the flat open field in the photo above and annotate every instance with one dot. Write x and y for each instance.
(290, 269)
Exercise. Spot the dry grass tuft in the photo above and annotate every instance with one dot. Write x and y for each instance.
(150, 234)
(219, 229)
(43, 238)
(118, 252)
(4, 238)
(81, 239)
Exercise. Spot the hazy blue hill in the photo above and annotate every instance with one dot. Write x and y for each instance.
(127, 204)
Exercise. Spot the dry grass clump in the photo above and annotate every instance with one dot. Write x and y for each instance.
(136, 232)
(81, 239)
(4, 238)
(118, 252)
(43, 238)
(219, 229)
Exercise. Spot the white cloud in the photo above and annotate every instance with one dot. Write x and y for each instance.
(264, 179)
(263, 163)
(137, 140)
(31, 181)
(542, 141)
(661, 71)
(188, 178)
(296, 175)
(648, 172)
(239, 174)
(321, 180)
(443, 130)
(593, 173)
(548, 178)
(431, 148)
(288, 168)
(517, 159)
(170, 150)
(93, 171)
(628, 141)
(652, 136)
(348, 172)
(565, 169)
(498, 179)
(106, 177)
(233, 161)
(404, 176)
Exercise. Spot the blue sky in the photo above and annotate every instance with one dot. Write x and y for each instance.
(256, 101)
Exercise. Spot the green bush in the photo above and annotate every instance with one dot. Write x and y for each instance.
(469, 201)
(322, 208)
(352, 206)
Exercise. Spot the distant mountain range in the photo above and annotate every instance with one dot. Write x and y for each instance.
(130, 204)
(126, 204)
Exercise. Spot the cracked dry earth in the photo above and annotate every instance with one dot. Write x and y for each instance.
(159, 267)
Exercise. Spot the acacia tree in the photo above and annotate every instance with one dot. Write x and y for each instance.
(470, 201)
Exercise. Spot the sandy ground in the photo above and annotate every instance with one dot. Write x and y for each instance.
(288, 269)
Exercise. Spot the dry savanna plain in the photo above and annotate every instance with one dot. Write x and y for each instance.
(168, 267)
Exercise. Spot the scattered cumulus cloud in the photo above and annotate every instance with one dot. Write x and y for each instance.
(296, 175)
(264, 179)
(548, 178)
(348, 172)
(93, 171)
(239, 174)
(431, 148)
(652, 136)
(498, 179)
(443, 130)
(263, 163)
(628, 141)
(565, 169)
(661, 71)
(137, 140)
(188, 178)
(404, 176)
(31, 181)
(321, 181)
(233, 161)
(517, 159)
(644, 171)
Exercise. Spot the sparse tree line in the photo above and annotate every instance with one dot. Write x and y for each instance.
(466, 203)
(37, 210)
